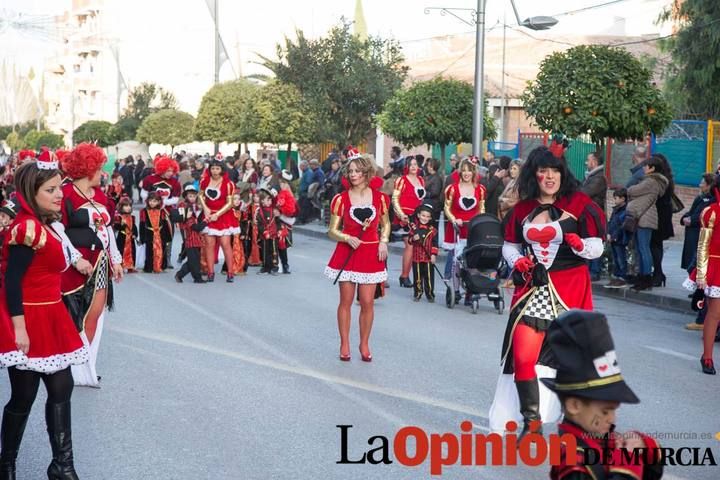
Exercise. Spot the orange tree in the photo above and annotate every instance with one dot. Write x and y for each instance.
(597, 90)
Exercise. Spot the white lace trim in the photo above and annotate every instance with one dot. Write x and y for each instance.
(710, 291)
(14, 357)
(213, 232)
(592, 248)
(55, 363)
(356, 277)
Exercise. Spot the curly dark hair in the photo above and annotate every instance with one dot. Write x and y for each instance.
(542, 157)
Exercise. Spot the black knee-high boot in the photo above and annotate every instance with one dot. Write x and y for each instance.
(57, 416)
(13, 427)
(529, 394)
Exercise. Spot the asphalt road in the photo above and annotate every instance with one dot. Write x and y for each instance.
(242, 381)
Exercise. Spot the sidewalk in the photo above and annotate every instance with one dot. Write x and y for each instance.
(671, 297)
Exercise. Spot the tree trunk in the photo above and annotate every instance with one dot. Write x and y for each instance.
(442, 158)
(172, 149)
(246, 147)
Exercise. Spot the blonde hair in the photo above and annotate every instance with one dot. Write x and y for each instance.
(470, 166)
(365, 165)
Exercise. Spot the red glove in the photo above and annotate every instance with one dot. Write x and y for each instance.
(524, 265)
(574, 240)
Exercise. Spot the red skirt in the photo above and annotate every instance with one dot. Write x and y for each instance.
(9, 354)
(363, 265)
(572, 285)
(226, 224)
(54, 341)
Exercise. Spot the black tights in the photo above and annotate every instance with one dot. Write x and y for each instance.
(25, 383)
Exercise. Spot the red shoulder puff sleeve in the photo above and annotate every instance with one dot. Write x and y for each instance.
(707, 218)
(336, 205)
(28, 232)
(513, 226)
(592, 221)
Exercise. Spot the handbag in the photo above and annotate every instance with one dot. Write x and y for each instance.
(677, 204)
(630, 224)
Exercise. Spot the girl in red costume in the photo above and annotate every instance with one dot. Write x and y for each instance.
(163, 181)
(706, 276)
(43, 342)
(549, 237)
(408, 194)
(216, 199)
(464, 199)
(87, 216)
(360, 223)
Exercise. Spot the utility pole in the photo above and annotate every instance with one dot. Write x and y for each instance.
(502, 82)
(217, 41)
(479, 98)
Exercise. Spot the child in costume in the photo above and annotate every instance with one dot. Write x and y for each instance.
(286, 212)
(252, 240)
(265, 223)
(154, 233)
(127, 233)
(189, 218)
(423, 238)
(8, 210)
(238, 249)
(591, 388)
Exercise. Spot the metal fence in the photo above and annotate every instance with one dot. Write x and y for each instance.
(685, 144)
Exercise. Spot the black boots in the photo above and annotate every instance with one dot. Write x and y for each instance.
(13, 427)
(57, 416)
(529, 394)
(644, 282)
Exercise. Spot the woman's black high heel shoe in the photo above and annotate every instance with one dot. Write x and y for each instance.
(659, 281)
(707, 366)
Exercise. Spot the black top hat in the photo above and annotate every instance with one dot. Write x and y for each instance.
(189, 187)
(587, 366)
(425, 207)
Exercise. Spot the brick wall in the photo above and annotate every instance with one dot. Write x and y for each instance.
(685, 194)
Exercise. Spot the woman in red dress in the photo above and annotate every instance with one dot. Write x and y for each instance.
(549, 237)
(706, 277)
(87, 217)
(408, 194)
(216, 199)
(360, 223)
(43, 329)
(463, 200)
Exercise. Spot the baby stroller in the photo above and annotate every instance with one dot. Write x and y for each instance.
(476, 263)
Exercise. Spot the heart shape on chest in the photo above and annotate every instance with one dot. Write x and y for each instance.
(212, 193)
(468, 203)
(362, 214)
(420, 192)
(541, 235)
(99, 220)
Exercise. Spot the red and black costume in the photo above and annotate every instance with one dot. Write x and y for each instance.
(406, 198)
(248, 234)
(266, 224)
(190, 220)
(238, 244)
(33, 263)
(588, 369)
(168, 188)
(371, 224)
(559, 281)
(423, 239)
(287, 206)
(126, 235)
(462, 207)
(154, 233)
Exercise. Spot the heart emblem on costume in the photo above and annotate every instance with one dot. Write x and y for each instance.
(541, 236)
(545, 253)
(212, 193)
(468, 203)
(602, 368)
(362, 214)
(163, 192)
(99, 220)
(420, 192)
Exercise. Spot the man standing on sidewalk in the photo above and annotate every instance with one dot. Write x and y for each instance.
(636, 171)
(595, 187)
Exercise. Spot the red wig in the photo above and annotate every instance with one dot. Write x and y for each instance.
(60, 154)
(83, 161)
(165, 163)
(23, 154)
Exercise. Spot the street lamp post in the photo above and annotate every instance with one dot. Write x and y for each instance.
(533, 23)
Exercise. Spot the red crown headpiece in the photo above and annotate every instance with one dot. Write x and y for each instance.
(353, 153)
(47, 160)
(23, 154)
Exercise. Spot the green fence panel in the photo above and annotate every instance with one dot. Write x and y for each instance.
(576, 156)
(282, 157)
(449, 150)
(684, 144)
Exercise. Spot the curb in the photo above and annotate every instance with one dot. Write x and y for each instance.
(646, 299)
(680, 305)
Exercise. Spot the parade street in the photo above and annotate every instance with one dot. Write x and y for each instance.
(243, 381)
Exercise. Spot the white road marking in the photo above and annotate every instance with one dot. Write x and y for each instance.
(308, 372)
(673, 353)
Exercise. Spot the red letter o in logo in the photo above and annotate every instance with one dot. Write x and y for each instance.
(421, 446)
